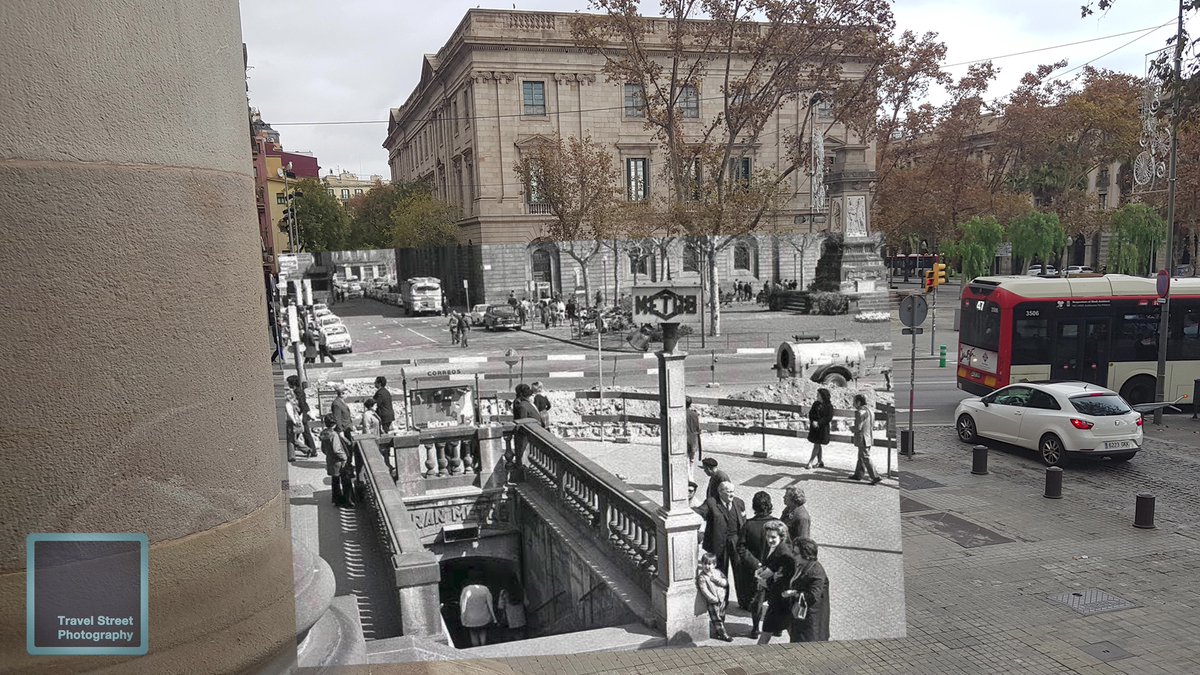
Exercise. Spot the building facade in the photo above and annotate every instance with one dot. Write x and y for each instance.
(506, 80)
(346, 185)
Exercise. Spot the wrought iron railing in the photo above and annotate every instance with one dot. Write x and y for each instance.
(620, 520)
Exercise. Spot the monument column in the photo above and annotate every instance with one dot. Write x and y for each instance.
(684, 617)
(137, 378)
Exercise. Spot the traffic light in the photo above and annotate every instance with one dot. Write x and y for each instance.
(929, 284)
(939, 274)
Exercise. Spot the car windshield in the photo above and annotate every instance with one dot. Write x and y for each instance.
(503, 310)
(425, 289)
(335, 329)
(1100, 404)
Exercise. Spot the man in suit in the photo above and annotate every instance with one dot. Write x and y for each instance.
(724, 516)
(523, 409)
(297, 388)
(695, 450)
(383, 403)
(341, 413)
(715, 477)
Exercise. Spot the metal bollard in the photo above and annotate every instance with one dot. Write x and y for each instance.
(1054, 482)
(1143, 514)
(942, 358)
(979, 459)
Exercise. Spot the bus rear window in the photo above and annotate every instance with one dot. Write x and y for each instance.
(979, 324)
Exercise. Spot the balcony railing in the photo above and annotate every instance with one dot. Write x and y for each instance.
(619, 519)
(538, 209)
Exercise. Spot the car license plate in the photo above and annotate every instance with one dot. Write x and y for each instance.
(1119, 445)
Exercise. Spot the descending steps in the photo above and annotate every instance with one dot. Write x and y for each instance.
(611, 639)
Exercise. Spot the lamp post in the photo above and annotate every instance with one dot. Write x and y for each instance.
(1160, 384)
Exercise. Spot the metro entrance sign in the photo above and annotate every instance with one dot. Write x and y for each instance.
(666, 303)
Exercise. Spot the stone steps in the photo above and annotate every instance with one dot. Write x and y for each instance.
(625, 638)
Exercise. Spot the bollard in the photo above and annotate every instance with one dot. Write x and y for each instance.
(1053, 482)
(979, 460)
(942, 358)
(1143, 514)
(906, 443)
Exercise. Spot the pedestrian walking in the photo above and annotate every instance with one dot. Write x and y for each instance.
(572, 309)
(383, 404)
(476, 609)
(809, 591)
(522, 313)
(510, 603)
(445, 305)
(371, 426)
(542, 402)
(863, 440)
(775, 576)
(337, 461)
(599, 298)
(795, 514)
(695, 451)
(724, 517)
(752, 549)
(453, 324)
(293, 424)
(512, 299)
(341, 413)
(464, 327)
(820, 419)
(310, 345)
(715, 477)
(545, 315)
(297, 389)
(714, 588)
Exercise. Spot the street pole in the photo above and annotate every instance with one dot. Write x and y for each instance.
(600, 366)
(912, 391)
(1160, 383)
(933, 308)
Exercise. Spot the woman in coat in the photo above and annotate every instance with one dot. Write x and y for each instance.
(811, 583)
(775, 575)
(820, 417)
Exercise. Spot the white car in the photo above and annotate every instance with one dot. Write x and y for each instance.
(476, 314)
(321, 311)
(324, 322)
(1055, 419)
(337, 336)
(1042, 270)
(1076, 270)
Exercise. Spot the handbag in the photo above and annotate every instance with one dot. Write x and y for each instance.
(800, 606)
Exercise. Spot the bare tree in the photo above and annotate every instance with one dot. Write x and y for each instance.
(752, 58)
(576, 180)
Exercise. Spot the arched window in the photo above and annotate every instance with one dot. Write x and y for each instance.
(691, 256)
(741, 257)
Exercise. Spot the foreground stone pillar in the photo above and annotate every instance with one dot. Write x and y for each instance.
(684, 618)
(133, 305)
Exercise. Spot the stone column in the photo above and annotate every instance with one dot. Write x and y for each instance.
(492, 473)
(136, 372)
(684, 618)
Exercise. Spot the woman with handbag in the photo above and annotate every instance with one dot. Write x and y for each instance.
(820, 417)
(775, 575)
(809, 590)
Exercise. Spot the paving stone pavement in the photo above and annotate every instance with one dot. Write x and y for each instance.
(987, 608)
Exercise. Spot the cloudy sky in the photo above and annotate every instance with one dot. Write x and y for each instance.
(352, 60)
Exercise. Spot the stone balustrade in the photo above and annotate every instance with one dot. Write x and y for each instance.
(621, 520)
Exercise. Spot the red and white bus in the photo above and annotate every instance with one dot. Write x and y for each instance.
(1101, 329)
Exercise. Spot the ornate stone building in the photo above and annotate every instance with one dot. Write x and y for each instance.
(507, 79)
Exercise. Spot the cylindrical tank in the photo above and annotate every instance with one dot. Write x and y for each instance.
(834, 363)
